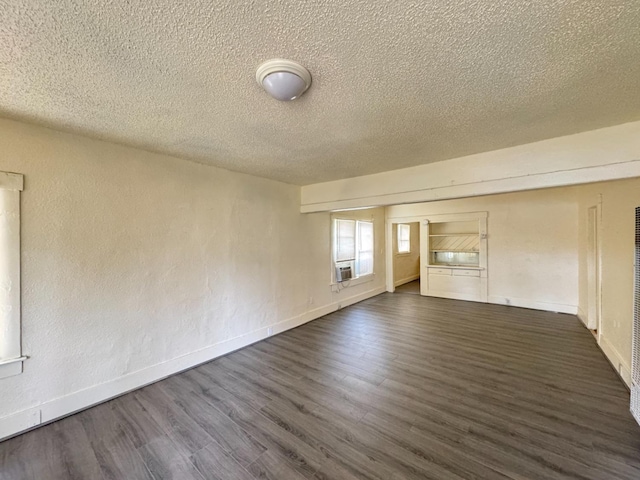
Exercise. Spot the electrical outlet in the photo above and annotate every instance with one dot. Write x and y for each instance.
(310, 301)
(269, 331)
(507, 301)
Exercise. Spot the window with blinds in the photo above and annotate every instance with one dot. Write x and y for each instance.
(353, 244)
(404, 238)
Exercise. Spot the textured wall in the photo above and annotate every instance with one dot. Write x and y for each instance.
(617, 240)
(131, 259)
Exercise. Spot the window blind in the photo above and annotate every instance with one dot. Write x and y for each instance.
(345, 240)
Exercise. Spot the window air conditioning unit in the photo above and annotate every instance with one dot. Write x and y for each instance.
(343, 272)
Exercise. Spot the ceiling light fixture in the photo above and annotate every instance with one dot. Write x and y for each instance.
(283, 79)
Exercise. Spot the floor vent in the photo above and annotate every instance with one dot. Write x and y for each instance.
(635, 357)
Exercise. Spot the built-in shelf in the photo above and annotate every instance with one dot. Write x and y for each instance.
(446, 265)
(453, 235)
(455, 256)
(455, 251)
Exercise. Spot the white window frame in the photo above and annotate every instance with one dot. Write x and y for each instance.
(11, 359)
(360, 250)
(356, 279)
(404, 228)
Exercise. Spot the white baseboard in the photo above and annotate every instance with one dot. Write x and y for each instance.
(617, 360)
(526, 303)
(467, 297)
(402, 281)
(19, 422)
(345, 302)
(582, 316)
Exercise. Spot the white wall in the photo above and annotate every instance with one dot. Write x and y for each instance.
(137, 265)
(604, 154)
(406, 266)
(532, 244)
(617, 240)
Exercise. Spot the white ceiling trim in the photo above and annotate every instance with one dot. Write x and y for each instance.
(606, 154)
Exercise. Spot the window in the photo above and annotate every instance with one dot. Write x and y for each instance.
(345, 241)
(10, 356)
(404, 238)
(364, 254)
(353, 245)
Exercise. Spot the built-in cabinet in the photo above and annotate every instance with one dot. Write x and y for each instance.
(454, 256)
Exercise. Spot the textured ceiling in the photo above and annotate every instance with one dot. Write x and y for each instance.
(395, 83)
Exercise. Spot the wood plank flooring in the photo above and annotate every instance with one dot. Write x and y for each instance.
(397, 387)
(411, 287)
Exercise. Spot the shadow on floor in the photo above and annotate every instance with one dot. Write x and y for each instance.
(411, 287)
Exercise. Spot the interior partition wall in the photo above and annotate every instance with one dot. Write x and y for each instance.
(635, 355)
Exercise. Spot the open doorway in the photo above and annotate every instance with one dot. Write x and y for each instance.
(405, 239)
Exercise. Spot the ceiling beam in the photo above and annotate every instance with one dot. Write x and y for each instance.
(599, 155)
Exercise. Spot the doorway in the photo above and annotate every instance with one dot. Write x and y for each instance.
(405, 240)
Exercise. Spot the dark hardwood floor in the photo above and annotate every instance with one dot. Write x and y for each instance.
(411, 287)
(396, 387)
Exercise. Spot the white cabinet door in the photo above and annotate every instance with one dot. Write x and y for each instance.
(454, 286)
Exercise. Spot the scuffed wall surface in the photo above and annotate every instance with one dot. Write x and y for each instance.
(130, 259)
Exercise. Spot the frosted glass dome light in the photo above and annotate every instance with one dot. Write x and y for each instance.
(283, 79)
